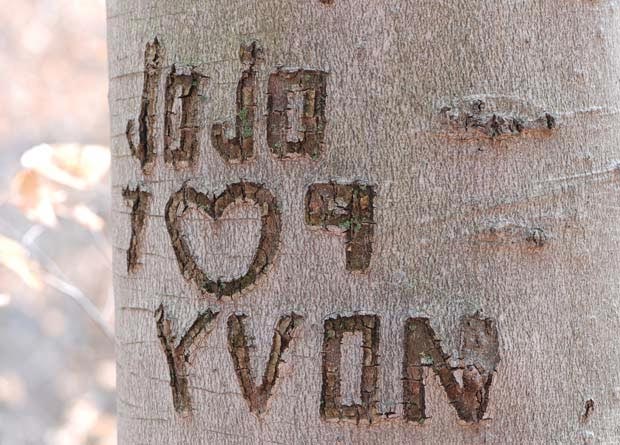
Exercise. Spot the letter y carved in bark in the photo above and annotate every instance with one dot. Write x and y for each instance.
(178, 356)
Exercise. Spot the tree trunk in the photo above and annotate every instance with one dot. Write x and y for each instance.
(366, 222)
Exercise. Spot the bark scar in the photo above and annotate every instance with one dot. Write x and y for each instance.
(178, 357)
(348, 207)
(479, 359)
(589, 410)
(507, 232)
(258, 396)
(240, 147)
(140, 201)
(214, 207)
(145, 150)
(493, 117)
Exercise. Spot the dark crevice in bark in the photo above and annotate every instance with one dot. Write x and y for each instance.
(588, 411)
(537, 237)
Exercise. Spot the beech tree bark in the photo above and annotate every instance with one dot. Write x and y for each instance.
(366, 222)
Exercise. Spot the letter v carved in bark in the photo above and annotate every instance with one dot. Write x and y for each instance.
(479, 358)
(258, 396)
(178, 357)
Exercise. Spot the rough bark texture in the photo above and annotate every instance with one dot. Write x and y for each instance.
(440, 211)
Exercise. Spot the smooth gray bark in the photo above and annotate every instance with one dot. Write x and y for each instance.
(488, 133)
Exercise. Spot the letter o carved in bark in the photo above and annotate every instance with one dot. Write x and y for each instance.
(188, 198)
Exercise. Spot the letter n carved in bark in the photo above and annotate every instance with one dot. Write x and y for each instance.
(479, 358)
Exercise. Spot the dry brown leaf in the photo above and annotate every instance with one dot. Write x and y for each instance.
(35, 197)
(74, 165)
(86, 217)
(15, 257)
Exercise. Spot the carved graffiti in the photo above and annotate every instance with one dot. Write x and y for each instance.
(331, 404)
(296, 113)
(140, 203)
(183, 116)
(240, 146)
(258, 396)
(214, 206)
(295, 127)
(479, 359)
(350, 208)
(144, 150)
(178, 357)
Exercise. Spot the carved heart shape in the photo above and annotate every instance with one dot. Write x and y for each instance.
(187, 198)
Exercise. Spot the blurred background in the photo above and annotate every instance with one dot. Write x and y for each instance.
(56, 307)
